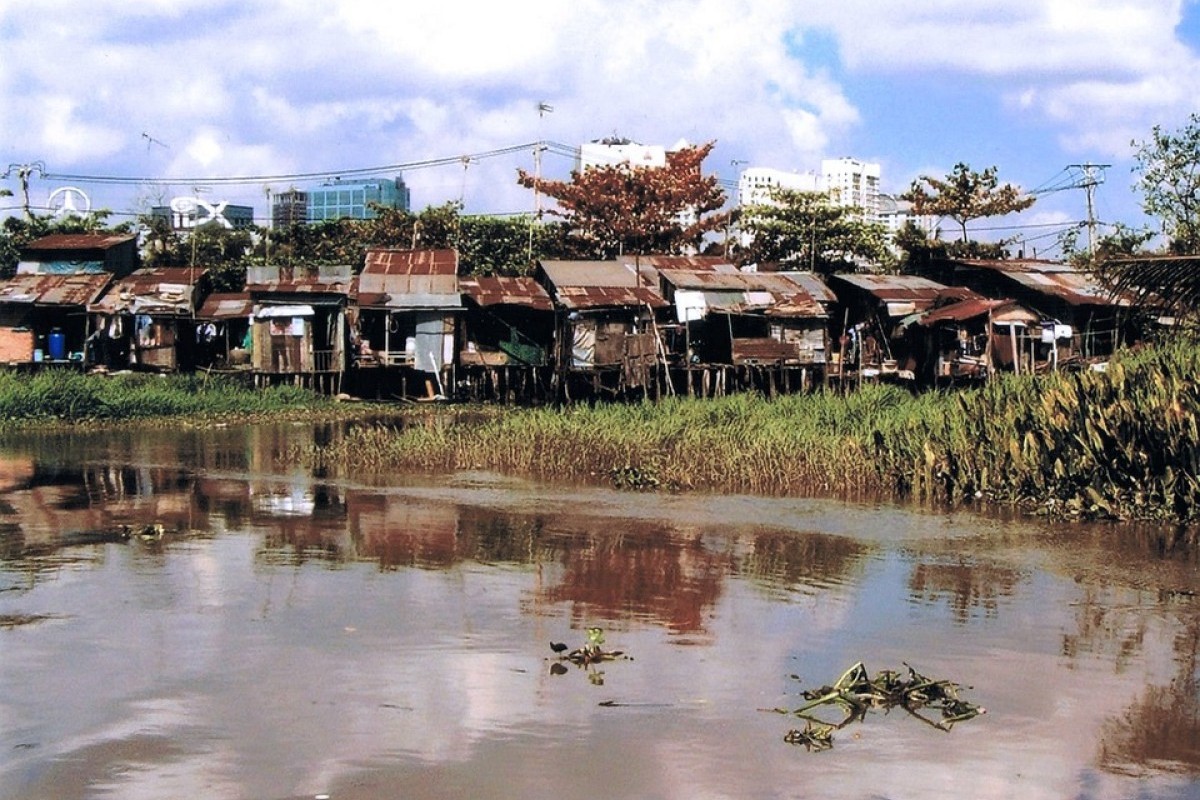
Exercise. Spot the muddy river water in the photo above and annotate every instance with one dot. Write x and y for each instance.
(290, 635)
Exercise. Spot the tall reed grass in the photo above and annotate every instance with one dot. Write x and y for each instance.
(1119, 444)
(66, 396)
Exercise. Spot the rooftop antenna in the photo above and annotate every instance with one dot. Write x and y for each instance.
(150, 141)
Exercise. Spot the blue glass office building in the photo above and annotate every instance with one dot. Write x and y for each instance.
(352, 199)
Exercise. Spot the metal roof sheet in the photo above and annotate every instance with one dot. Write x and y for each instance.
(499, 290)
(335, 279)
(743, 292)
(581, 297)
(226, 305)
(1055, 279)
(409, 278)
(692, 263)
(895, 288)
(154, 288)
(613, 274)
(812, 283)
(387, 261)
(54, 290)
(601, 284)
(79, 241)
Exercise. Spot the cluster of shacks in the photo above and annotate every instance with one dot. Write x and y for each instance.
(405, 325)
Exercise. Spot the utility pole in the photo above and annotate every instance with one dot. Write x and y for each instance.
(543, 109)
(1093, 176)
(23, 172)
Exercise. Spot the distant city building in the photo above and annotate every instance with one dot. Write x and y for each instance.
(340, 199)
(289, 208)
(854, 184)
(614, 150)
(895, 213)
(756, 184)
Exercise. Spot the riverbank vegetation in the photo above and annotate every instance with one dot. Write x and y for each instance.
(60, 396)
(1117, 444)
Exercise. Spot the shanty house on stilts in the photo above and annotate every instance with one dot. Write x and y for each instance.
(764, 329)
(968, 338)
(1083, 320)
(223, 339)
(606, 331)
(407, 306)
(875, 310)
(507, 338)
(147, 320)
(299, 333)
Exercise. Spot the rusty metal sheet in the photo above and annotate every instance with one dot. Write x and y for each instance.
(581, 297)
(409, 278)
(169, 289)
(895, 288)
(1055, 279)
(387, 261)
(54, 290)
(79, 241)
(226, 305)
(607, 274)
(962, 310)
(335, 279)
(688, 263)
(813, 285)
(499, 290)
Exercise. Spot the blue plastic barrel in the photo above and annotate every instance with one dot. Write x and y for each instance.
(58, 345)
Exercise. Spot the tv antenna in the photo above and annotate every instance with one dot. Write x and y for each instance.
(151, 141)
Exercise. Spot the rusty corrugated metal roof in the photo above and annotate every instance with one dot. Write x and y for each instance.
(79, 241)
(895, 288)
(499, 290)
(692, 263)
(334, 279)
(581, 297)
(1055, 279)
(601, 284)
(403, 278)
(226, 305)
(387, 261)
(54, 290)
(812, 283)
(152, 289)
(743, 292)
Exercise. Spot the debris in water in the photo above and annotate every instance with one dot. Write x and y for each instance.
(934, 702)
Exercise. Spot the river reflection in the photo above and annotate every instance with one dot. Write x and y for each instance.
(288, 635)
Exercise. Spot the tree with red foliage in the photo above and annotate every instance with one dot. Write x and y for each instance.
(619, 208)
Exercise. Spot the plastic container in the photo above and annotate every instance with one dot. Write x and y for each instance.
(58, 345)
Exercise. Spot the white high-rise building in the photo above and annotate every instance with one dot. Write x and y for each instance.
(614, 150)
(853, 183)
(756, 184)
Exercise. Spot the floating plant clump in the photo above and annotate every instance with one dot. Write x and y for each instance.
(935, 702)
(586, 656)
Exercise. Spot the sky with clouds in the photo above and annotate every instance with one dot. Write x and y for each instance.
(167, 94)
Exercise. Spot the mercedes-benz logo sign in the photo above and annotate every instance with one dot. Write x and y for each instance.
(69, 200)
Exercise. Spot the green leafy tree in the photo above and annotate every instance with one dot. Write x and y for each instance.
(1168, 169)
(620, 208)
(809, 231)
(964, 195)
